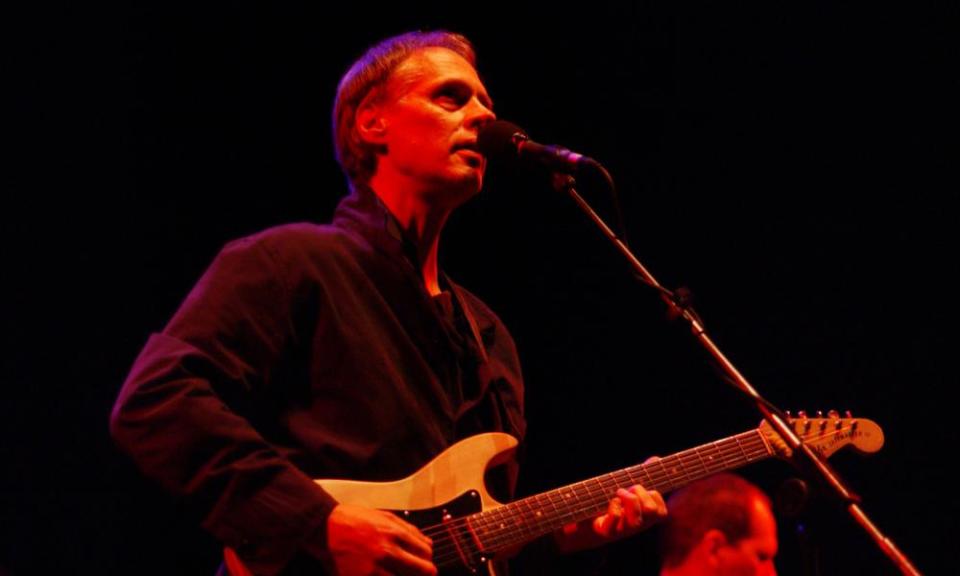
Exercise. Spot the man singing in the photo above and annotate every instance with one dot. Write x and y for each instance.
(342, 350)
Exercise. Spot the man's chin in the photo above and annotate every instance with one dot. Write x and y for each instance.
(455, 191)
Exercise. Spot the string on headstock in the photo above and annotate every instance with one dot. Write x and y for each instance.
(827, 434)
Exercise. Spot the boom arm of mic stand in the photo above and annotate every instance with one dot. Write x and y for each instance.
(802, 453)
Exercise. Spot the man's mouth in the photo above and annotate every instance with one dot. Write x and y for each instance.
(473, 153)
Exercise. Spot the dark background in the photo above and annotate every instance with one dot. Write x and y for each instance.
(794, 166)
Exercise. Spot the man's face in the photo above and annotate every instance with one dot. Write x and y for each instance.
(435, 104)
(754, 554)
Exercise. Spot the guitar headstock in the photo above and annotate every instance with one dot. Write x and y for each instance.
(827, 434)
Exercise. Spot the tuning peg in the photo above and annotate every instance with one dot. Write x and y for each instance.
(789, 415)
(802, 414)
(819, 413)
(823, 424)
(849, 416)
(835, 416)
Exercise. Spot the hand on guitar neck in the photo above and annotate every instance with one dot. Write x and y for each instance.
(630, 512)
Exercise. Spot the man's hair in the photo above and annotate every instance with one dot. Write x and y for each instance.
(368, 78)
(721, 502)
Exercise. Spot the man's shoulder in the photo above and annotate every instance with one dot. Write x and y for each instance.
(479, 308)
(299, 238)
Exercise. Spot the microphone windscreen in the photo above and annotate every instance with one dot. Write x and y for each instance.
(496, 140)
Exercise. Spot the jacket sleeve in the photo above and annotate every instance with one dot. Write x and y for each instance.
(182, 412)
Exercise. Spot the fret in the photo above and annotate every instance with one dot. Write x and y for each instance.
(601, 490)
(679, 472)
(650, 484)
(527, 516)
(703, 465)
(667, 482)
(633, 479)
(714, 457)
(557, 502)
(625, 479)
(740, 445)
(479, 527)
(758, 439)
(593, 489)
(497, 525)
(684, 465)
(718, 447)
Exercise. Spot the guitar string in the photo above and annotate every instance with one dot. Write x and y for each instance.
(443, 551)
(447, 551)
(692, 454)
(511, 531)
(727, 450)
(596, 491)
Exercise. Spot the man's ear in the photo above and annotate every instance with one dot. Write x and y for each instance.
(713, 540)
(371, 124)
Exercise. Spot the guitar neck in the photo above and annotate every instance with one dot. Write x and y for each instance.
(524, 520)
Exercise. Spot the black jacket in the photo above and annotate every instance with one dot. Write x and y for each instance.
(312, 351)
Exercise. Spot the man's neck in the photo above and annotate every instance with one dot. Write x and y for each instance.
(422, 223)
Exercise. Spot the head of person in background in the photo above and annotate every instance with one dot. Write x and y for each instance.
(719, 526)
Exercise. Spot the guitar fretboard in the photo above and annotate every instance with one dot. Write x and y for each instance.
(530, 518)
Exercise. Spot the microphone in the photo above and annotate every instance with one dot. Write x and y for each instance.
(501, 141)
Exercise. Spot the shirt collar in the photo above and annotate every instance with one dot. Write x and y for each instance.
(364, 213)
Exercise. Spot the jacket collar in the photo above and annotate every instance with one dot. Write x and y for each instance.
(364, 213)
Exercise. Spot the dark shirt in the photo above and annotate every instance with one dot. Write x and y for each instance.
(311, 351)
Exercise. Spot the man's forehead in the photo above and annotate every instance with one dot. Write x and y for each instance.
(429, 64)
(763, 524)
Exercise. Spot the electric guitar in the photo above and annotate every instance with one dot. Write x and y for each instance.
(448, 501)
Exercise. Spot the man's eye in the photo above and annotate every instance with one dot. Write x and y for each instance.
(450, 96)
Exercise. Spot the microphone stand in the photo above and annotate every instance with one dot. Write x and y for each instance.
(802, 454)
(794, 500)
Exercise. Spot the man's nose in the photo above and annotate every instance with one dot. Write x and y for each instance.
(480, 115)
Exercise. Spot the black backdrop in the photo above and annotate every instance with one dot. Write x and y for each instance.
(789, 164)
